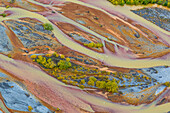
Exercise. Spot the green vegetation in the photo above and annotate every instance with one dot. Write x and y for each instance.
(48, 26)
(140, 2)
(3, 14)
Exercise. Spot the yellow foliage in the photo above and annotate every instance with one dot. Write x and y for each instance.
(33, 56)
(48, 55)
(30, 108)
(7, 6)
(62, 56)
(58, 109)
(68, 59)
(40, 57)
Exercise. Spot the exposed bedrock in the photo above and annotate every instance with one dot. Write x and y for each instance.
(5, 43)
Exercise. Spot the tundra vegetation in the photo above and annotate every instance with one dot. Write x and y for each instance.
(140, 2)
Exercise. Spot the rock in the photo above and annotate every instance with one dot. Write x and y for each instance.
(5, 43)
(15, 97)
(2, 75)
(31, 34)
(42, 109)
(158, 16)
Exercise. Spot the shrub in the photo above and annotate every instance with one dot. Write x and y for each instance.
(58, 109)
(168, 4)
(93, 79)
(48, 26)
(64, 64)
(33, 56)
(159, 2)
(7, 6)
(3, 14)
(101, 84)
(92, 44)
(60, 78)
(48, 55)
(9, 55)
(82, 81)
(68, 59)
(167, 84)
(30, 108)
(90, 82)
(165, 3)
(62, 56)
(111, 86)
(81, 86)
(54, 54)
